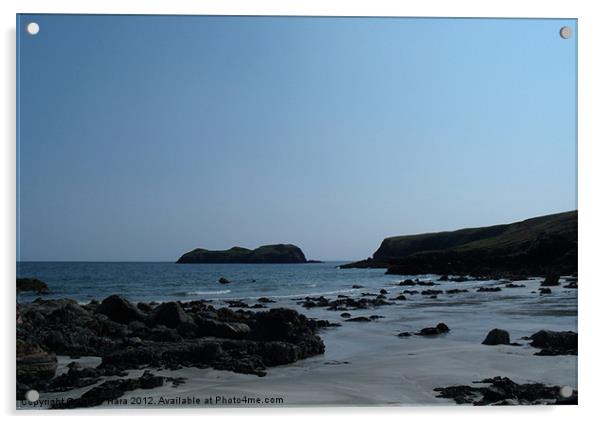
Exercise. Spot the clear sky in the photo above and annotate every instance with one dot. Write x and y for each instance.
(141, 138)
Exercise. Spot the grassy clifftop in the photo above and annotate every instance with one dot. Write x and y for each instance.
(535, 246)
(274, 253)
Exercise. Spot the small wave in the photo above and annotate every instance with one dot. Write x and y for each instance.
(203, 293)
(287, 296)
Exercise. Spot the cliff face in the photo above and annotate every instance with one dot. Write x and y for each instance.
(546, 244)
(269, 254)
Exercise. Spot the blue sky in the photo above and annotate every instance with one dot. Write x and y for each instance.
(141, 138)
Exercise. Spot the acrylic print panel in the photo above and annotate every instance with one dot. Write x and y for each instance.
(281, 211)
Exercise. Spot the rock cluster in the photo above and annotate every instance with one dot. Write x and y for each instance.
(169, 335)
(503, 391)
(32, 285)
(554, 343)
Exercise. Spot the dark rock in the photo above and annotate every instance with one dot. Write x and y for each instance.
(119, 310)
(164, 334)
(456, 291)
(144, 307)
(400, 297)
(359, 319)
(442, 327)
(76, 377)
(223, 280)
(430, 292)
(404, 334)
(444, 278)
(571, 285)
(258, 306)
(503, 391)
(169, 314)
(551, 280)
(497, 337)
(357, 286)
(410, 292)
(34, 365)
(426, 283)
(489, 289)
(513, 286)
(429, 331)
(265, 300)
(383, 291)
(373, 317)
(345, 315)
(545, 290)
(33, 285)
(111, 390)
(236, 304)
(555, 342)
(227, 330)
(407, 283)
(434, 331)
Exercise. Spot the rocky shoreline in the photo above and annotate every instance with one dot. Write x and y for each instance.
(165, 336)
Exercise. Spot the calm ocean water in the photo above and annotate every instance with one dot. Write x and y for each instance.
(163, 281)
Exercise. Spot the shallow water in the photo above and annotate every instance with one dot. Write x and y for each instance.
(163, 281)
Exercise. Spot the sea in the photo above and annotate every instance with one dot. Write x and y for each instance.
(166, 281)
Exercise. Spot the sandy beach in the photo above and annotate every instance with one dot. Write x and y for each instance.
(366, 363)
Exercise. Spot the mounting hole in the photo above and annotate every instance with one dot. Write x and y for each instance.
(33, 28)
(566, 32)
(32, 395)
(566, 391)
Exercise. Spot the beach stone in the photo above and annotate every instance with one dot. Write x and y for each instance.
(489, 289)
(34, 365)
(265, 300)
(555, 342)
(169, 314)
(433, 331)
(228, 330)
(442, 327)
(33, 285)
(497, 337)
(359, 319)
(551, 280)
(119, 310)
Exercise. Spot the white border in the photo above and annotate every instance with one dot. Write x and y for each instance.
(590, 213)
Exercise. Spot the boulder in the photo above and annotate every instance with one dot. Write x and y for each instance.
(550, 281)
(169, 314)
(119, 310)
(359, 319)
(265, 300)
(434, 331)
(221, 329)
(223, 280)
(33, 285)
(496, 337)
(555, 342)
(34, 365)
